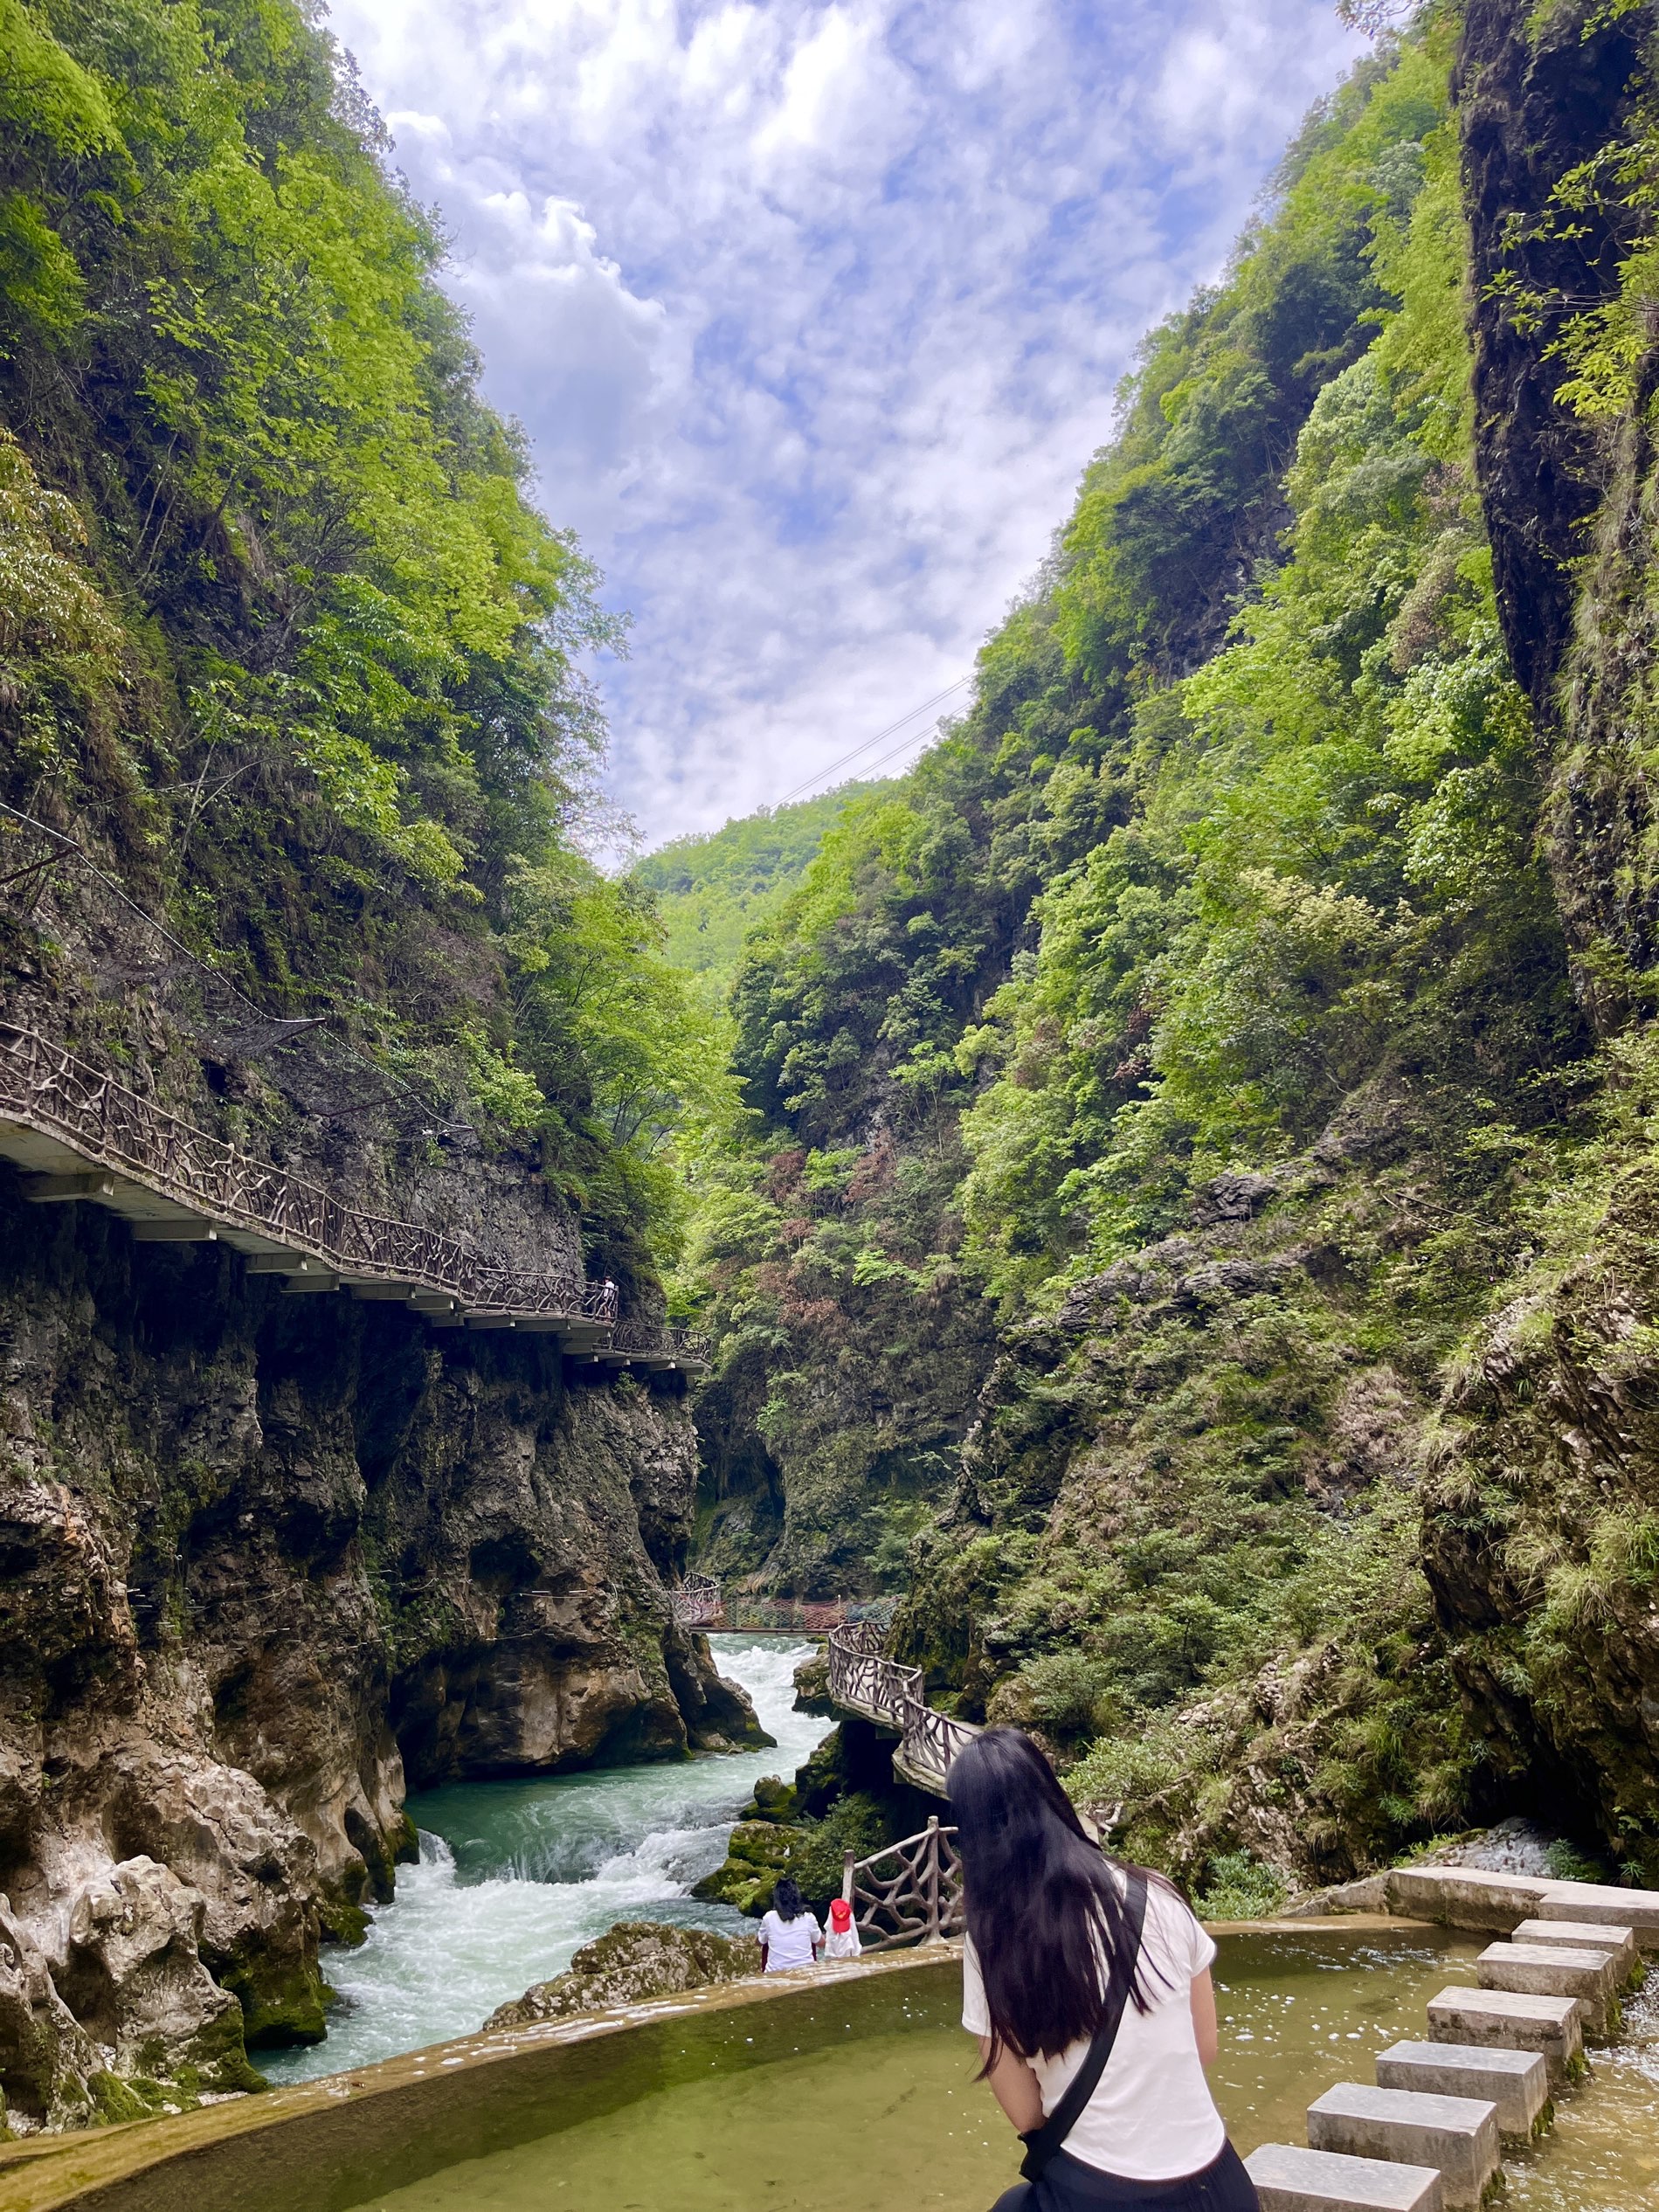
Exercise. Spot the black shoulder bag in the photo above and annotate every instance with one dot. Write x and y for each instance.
(1043, 2142)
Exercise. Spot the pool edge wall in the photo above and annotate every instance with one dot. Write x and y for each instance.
(328, 2144)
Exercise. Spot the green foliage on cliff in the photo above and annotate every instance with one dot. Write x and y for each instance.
(280, 638)
(1182, 1093)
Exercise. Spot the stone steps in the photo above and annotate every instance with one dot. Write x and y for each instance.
(1457, 2136)
(1585, 1935)
(1637, 1909)
(1515, 2082)
(1289, 2179)
(1467, 1897)
(1552, 1970)
(1498, 2019)
(1427, 2137)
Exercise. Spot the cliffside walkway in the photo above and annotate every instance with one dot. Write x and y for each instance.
(862, 1680)
(77, 1134)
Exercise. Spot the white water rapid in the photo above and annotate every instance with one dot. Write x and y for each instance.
(515, 1876)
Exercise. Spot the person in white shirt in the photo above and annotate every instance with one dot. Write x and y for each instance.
(1061, 1940)
(842, 1942)
(788, 1935)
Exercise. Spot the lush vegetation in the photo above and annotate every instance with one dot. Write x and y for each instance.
(1192, 1128)
(712, 890)
(281, 637)
(1195, 1035)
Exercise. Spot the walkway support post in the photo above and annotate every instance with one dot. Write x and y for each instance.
(932, 1878)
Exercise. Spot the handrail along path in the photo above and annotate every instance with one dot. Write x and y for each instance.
(174, 1181)
(867, 1682)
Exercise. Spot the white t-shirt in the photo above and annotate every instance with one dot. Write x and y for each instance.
(1152, 2117)
(789, 1943)
(843, 1944)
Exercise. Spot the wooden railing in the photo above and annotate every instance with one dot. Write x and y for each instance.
(49, 1090)
(696, 1603)
(862, 1679)
(911, 1892)
(643, 1333)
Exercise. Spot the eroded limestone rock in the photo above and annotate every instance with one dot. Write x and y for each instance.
(266, 1559)
(133, 1976)
(47, 2060)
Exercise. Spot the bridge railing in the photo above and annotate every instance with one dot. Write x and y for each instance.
(47, 1089)
(861, 1677)
(911, 1892)
(696, 1603)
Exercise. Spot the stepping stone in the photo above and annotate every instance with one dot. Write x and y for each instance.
(1289, 2179)
(1466, 1897)
(1585, 1935)
(1637, 1909)
(1516, 2082)
(1548, 1970)
(1457, 2136)
(1497, 2019)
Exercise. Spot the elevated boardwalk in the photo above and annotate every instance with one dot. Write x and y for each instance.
(862, 1680)
(78, 1134)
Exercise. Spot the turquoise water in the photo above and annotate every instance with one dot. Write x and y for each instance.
(513, 1876)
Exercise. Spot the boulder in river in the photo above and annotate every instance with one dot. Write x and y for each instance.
(635, 1960)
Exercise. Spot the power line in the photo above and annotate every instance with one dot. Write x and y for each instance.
(836, 766)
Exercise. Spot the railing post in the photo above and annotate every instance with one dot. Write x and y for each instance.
(847, 1878)
(931, 1879)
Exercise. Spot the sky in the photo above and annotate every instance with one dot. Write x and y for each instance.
(813, 311)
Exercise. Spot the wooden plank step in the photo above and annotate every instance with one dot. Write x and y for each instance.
(1585, 1935)
(1499, 2018)
(1516, 2082)
(1289, 2179)
(1549, 1970)
(1455, 2135)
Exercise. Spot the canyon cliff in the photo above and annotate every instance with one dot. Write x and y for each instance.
(294, 761)
(1208, 1100)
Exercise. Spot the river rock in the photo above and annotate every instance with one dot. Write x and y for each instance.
(758, 1854)
(638, 1960)
(811, 1687)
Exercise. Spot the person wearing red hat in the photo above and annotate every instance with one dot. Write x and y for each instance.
(842, 1940)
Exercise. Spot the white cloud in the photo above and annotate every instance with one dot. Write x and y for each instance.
(814, 310)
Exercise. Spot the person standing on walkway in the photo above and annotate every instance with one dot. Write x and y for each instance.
(789, 1934)
(1088, 1984)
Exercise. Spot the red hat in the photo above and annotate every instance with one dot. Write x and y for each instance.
(841, 1915)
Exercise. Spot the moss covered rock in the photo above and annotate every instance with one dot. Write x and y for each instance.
(638, 1960)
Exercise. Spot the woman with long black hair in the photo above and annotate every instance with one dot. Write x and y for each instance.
(1088, 1984)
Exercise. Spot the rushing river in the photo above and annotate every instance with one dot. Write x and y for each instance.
(515, 1876)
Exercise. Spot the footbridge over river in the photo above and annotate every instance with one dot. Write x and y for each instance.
(862, 1680)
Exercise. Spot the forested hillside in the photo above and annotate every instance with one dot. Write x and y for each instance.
(284, 644)
(294, 757)
(1198, 1201)
(711, 891)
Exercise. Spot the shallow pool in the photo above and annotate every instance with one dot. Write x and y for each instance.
(889, 2115)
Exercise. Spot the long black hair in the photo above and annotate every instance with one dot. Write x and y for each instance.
(1044, 1913)
(787, 1901)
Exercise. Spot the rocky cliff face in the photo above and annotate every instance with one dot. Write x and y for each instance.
(266, 1558)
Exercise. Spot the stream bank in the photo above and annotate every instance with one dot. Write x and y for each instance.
(513, 1876)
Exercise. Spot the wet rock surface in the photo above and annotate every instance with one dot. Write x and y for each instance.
(636, 1961)
(269, 1560)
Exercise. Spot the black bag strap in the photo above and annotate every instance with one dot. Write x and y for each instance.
(1043, 2142)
